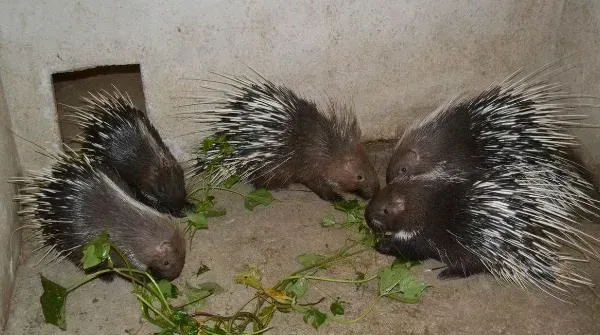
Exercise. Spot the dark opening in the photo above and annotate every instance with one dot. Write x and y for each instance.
(69, 87)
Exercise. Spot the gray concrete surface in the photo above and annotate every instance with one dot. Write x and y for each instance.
(9, 240)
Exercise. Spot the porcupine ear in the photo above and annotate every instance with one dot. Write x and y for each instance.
(413, 154)
(163, 249)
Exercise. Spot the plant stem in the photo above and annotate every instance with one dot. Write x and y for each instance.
(333, 280)
(89, 278)
(216, 188)
(366, 312)
(149, 305)
(329, 260)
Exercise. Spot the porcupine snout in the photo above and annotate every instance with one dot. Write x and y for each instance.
(354, 173)
(384, 209)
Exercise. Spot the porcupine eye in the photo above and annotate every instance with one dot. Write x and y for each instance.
(360, 178)
(166, 263)
(404, 170)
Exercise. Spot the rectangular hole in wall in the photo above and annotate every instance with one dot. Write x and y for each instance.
(69, 87)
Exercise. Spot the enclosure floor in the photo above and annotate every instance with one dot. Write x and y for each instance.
(271, 238)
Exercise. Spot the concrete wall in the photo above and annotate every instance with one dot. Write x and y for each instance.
(9, 240)
(391, 59)
(579, 43)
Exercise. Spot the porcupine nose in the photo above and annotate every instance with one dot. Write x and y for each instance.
(383, 208)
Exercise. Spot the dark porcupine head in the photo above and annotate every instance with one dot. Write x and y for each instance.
(419, 219)
(76, 201)
(521, 193)
(280, 138)
(119, 135)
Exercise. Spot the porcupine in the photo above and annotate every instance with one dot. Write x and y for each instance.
(280, 138)
(119, 135)
(496, 190)
(79, 199)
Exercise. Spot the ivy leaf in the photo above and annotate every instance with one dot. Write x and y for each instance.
(196, 294)
(167, 289)
(207, 144)
(337, 307)
(311, 259)
(298, 288)
(315, 317)
(348, 206)
(185, 322)
(257, 197)
(53, 301)
(96, 251)
(198, 220)
(250, 277)
(231, 181)
(397, 282)
(328, 221)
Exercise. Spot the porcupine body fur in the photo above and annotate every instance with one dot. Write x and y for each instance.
(117, 134)
(69, 205)
(519, 191)
(280, 138)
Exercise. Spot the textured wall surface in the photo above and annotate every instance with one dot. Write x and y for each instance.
(8, 221)
(392, 60)
(579, 42)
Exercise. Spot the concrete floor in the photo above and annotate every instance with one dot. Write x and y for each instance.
(271, 238)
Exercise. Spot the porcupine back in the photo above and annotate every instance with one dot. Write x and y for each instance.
(517, 121)
(77, 200)
(280, 138)
(119, 135)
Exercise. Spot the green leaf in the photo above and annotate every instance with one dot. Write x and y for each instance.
(53, 303)
(96, 252)
(167, 289)
(207, 144)
(231, 181)
(315, 317)
(328, 221)
(311, 259)
(202, 269)
(196, 294)
(249, 277)
(186, 324)
(257, 197)
(298, 288)
(337, 307)
(198, 220)
(348, 206)
(397, 282)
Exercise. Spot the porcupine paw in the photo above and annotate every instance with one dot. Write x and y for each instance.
(466, 270)
(332, 197)
(452, 273)
(326, 193)
(386, 246)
